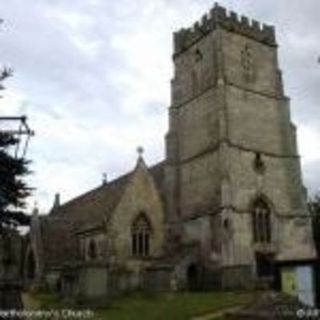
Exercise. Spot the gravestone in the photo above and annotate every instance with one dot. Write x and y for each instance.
(10, 270)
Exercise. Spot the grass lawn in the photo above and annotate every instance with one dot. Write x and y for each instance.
(178, 306)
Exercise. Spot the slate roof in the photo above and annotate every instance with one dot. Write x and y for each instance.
(59, 243)
(92, 207)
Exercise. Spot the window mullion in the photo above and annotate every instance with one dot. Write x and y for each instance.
(134, 244)
(143, 244)
(254, 226)
(147, 235)
(263, 224)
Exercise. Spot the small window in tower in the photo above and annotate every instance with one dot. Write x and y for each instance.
(198, 55)
(226, 223)
(258, 164)
(247, 63)
(194, 82)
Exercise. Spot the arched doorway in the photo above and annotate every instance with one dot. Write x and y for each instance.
(193, 277)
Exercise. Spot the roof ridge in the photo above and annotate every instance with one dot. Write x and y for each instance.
(107, 185)
(101, 187)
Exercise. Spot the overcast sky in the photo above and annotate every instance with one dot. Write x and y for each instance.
(93, 78)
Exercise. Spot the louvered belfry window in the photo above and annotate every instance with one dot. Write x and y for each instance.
(141, 236)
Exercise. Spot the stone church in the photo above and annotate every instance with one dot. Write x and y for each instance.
(225, 209)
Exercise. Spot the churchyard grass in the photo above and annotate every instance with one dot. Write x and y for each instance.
(169, 306)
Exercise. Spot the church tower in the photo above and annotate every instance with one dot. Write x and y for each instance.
(233, 170)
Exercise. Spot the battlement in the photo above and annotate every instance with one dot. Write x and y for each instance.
(219, 16)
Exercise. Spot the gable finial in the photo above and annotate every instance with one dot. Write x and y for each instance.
(56, 202)
(104, 178)
(140, 151)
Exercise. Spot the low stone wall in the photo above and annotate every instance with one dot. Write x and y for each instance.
(99, 283)
(237, 277)
(159, 279)
(92, 283)
(123, 281)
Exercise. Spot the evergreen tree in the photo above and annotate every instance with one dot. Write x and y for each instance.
(13, 190)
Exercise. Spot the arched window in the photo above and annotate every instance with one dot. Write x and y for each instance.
(140, 236)
(92, 250)
(261, 222)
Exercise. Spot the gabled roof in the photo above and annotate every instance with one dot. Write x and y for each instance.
(96, 205)
(93, 205)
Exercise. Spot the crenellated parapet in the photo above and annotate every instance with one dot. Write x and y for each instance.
(219, 16)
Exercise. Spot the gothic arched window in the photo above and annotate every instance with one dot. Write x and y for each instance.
(92, 250)
(140, 236)
(261, 222)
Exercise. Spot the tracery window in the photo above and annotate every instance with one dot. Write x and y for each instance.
(261, 221)
(141, 236)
